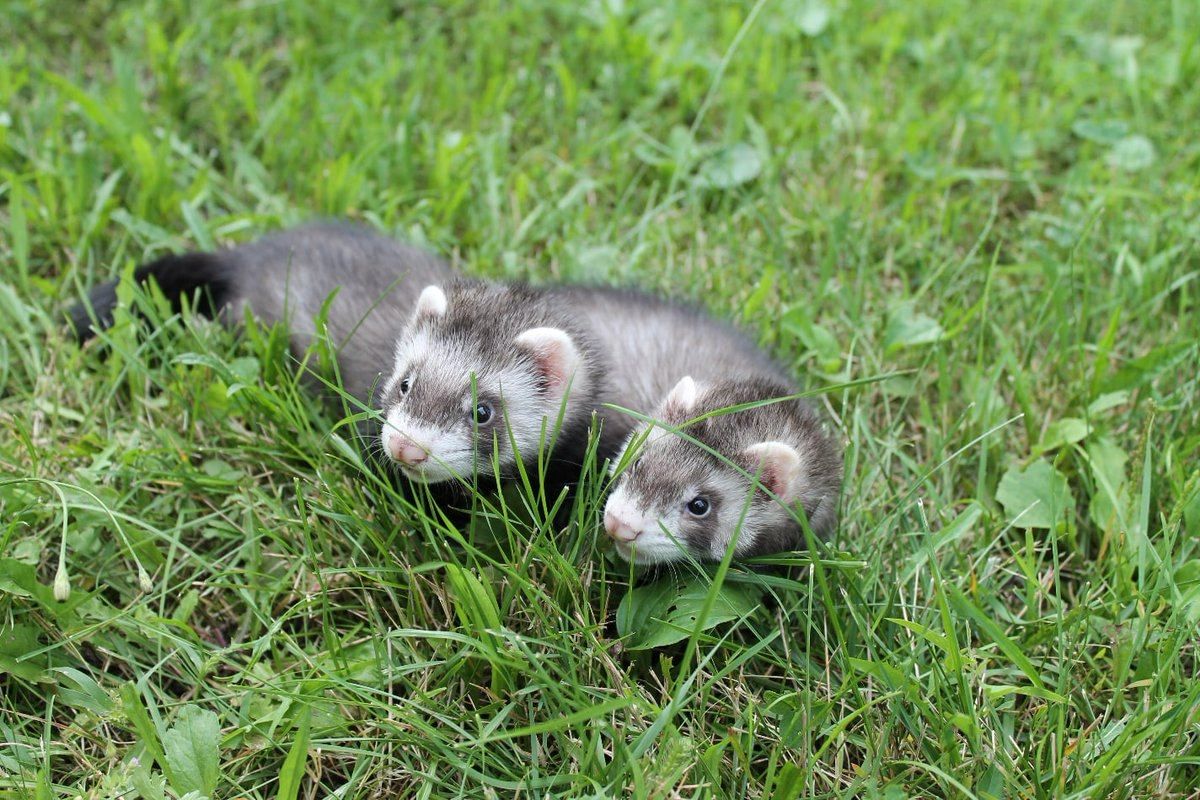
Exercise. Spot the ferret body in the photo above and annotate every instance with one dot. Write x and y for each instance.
(758, 468)
(287, 277)
(651, 343)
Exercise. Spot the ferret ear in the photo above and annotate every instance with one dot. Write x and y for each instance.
(555, 355)
(431, 303)
(681, 400)
(780, 468)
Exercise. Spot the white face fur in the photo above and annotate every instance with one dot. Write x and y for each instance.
(676, 501)
(454, 402)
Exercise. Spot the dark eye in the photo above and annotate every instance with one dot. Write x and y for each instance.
(483, 413)
(404, 386)
(698, 506)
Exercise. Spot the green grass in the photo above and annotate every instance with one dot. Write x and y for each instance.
(984, 215)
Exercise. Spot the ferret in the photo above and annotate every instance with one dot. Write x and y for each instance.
(287, 277)
(488, 371)
(758, 468)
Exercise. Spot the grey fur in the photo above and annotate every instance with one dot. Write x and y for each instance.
(651, 343)
(668, 471)
(288, 276)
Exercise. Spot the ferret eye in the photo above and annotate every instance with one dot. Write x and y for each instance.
(698, 506)
(483, 413)
(404, 386)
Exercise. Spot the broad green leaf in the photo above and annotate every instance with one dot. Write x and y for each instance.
(479, 613)
(789, 783)
(729, 167)
(1132, 154)
(1187, 582)
(889, 675)
(221, 470)
(1034, 497)
(1063, 432)
(79, 690)
(1110, 500)
(246, 369)
(43, 791)
(20, 579)
(665, 612)
(641, 604)
(139, 717)
(908, 327)
(192, 747)
(148, 785)
(900, 386)
(1107, 401)
(1109, 131)
(20, 640)
(798, 714)
(474, 602)
(996, 692)
(814, 17)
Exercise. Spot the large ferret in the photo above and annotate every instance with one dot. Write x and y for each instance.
(479, 372)
(751, 470)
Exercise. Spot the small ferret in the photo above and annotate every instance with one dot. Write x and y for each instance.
(759, 467)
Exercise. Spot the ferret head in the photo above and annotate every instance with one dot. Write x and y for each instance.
(676, 500)
(478, 369)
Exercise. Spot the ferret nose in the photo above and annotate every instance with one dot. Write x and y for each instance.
(618, 529)
(406, 451)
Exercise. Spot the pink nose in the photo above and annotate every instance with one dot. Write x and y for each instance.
(618, 529)
(406, 451)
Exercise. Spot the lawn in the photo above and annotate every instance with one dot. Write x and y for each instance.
(972, 230)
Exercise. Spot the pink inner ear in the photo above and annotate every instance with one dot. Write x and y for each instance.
(554, 355)
(553, 371)
(780, 468)
(771, 479)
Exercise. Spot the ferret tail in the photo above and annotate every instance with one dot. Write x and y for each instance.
(206, 279)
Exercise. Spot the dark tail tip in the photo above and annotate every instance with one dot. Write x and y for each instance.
(204, 278)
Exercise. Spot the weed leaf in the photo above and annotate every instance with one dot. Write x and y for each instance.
(729, 167)
(192, 750)
(1034, 497)
(665, 612)
(1132, 154)
(908, 327)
